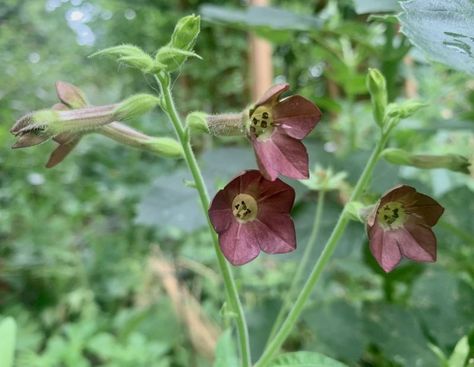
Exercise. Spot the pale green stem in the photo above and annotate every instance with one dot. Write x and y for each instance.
(301, 266)
(328, 250)
(230, 287)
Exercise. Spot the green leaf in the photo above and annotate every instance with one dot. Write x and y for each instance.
(260, 17)
(460, 353)
(371, 6)
(305, 359)
(444, 30)
(226, 355)
(7, 341)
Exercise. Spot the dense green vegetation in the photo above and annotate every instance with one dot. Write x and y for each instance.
(104, 260)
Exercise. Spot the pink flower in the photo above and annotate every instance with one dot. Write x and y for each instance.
(251, 214)
(275, 127)
(400, 226)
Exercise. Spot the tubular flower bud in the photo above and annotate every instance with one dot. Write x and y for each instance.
(378, 94)
(400, 226)
(453, 162)
(184, 36)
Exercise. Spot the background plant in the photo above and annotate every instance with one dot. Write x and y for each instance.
(86, 288)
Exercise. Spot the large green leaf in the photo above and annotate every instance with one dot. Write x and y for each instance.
(371, 6)
(305, 359)
(7, 341)
(260, 17)
(444, 30)
(226, 355)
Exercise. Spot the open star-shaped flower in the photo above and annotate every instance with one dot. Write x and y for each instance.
(400, 226)
(251, 214)
(276, 127)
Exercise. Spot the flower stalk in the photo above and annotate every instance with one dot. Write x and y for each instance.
(163, 80)
(331, 244)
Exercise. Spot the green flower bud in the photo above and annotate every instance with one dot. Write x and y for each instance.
(175, 53)
(197, 122)
(186, 32)
(135, 106)
(452, 162)
(378, 94)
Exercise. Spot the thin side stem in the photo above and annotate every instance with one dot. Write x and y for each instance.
(301, 266)
(329, 248)
(230, 287)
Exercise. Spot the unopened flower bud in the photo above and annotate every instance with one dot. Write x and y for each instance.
(127, 135)
(197, 122)
(181, 44)
(378, 93)
(452, 162)
(135, 106)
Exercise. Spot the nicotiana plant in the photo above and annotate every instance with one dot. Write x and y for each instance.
(252, 213)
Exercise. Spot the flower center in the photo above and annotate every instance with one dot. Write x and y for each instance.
(261, 123)
(392, 215)
(244, 208)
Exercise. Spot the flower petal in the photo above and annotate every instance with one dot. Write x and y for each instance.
(384, 247)
(417, 242)
(275, 234)
(220, 210)
(71, 95)
(61, 152)
(398, 193)
(272, 94)
(281, 154)
(276, 197)
(425, 207)
(239, 244)
(296, 115)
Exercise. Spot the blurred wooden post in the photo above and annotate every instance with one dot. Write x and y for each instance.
(261, 68)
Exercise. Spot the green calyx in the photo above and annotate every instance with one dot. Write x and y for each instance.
(135, 106)
(197, 122)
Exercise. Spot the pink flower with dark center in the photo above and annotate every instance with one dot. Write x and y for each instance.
(251, 214)
(400, 226)
(276, 127)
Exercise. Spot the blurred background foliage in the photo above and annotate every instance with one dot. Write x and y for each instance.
(103, 259)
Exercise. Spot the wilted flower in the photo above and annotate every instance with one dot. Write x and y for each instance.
(68, 121)
(275, 126)
(400, 226)
(251, 214)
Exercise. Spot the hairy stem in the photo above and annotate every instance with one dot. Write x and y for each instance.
(301, 266)
(230, 287)
(321, 263)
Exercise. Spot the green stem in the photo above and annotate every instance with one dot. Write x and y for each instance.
(301, 266)
(328, 250)
(231, 289)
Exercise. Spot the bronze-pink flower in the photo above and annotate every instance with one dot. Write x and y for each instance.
(400, 226)
(276, 127)
(252, 214)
